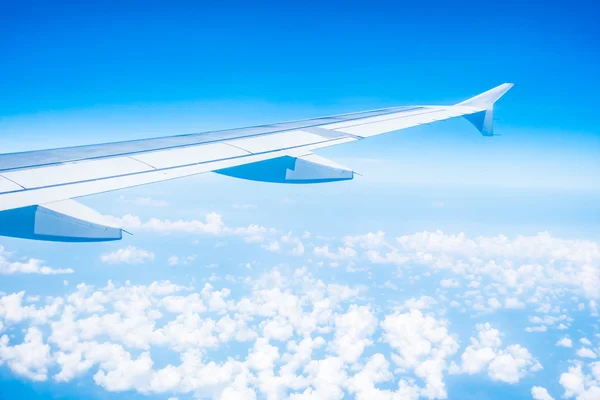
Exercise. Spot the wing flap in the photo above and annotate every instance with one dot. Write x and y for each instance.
(304, 169)
(63, 221)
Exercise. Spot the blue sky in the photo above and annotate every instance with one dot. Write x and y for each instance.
(482, 251)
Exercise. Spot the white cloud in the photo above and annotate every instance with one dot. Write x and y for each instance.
(540, 393)
(31, 266)
(565, 342)
(128, 255)
(585, 341)
(421, 303)
(29, 359)
(12, 309)
(305, 337)
(541, 328)
(494, 303)
(376, 370)
(353, 331)
(368, 241)
(273, 246)
(97, 331)
(484, 353)
(177, 260)
(449, 283)
(584, 352)
(513, 303)
(422, 344)
(212, 225)
(518, 265)
(343, 253)
(291, 240)
(579, 385)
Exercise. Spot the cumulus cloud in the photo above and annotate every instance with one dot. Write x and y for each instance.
(580, 385)
(353, 331)
(565, 342)
(128, 255)
(368, 241)
(108, 332)
(449, 283)
(585, 352)
(508, 364)
(8, 266)
(29, 359)
(177, 260)
(422, 344)
(305, 338)
(295, 242)
(342, 253)
(212, 225)
(540, 393)
(273, 246)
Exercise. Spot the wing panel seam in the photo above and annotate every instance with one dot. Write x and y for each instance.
(127, 153)
(237, 147)
(143, 162)
(16, 183)
(167, 168)
(392, 119)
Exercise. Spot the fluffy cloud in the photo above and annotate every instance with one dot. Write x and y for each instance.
(97, 330)
(540, 393)
(584, 352)
(291, 240)
(422, 344)
(353, 330)
(30, 358)
(128, 255)
(295, 335)
(305, 339)
(484, 354)
(565, 342)
(212, 225)
(368, 241)
(580, 385)
(568, 262)
(31, 266)
(449, 283)
(342, 253)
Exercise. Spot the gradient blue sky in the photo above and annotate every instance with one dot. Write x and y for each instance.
(83, 73)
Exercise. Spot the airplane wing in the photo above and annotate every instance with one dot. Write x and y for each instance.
(37, 187)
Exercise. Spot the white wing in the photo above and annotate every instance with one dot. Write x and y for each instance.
(36, 187)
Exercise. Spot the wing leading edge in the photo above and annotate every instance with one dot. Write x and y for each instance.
(36, 187)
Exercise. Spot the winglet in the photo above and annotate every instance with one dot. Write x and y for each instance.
(483, 105)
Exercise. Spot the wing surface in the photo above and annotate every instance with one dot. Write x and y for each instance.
(280, 152)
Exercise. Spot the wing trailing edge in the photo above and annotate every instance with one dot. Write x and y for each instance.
(62, 221)
(302, 169)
